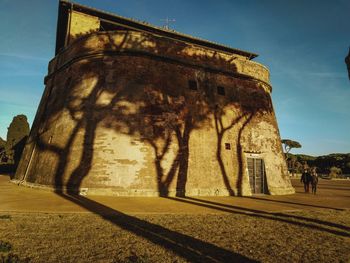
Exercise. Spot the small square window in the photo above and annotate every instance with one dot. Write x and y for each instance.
(192, 85)
(221, 90)
(227, 146)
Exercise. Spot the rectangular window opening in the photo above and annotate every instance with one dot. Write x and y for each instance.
(221, 90)
(227, 146)
(192, 85)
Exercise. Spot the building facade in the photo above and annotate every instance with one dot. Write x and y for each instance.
(134, 110)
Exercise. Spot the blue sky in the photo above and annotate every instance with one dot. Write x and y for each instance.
(303, 43)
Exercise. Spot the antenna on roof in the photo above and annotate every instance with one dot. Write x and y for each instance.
(167, 21)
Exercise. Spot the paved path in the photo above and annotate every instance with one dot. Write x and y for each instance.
(332, 194)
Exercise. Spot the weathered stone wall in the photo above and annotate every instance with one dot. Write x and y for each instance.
(81, 24)
(119, 117)
(138, 43)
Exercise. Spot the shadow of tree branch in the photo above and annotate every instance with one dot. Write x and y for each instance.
(290, 219)
(187, 247)
(293, 203)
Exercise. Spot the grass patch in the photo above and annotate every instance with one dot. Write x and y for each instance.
(11, 258)
(308, 236)
(5, 246)
(8, 257)
(5, 217)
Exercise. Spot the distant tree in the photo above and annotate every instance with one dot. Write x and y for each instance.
(2, 150)
(325, 162)
(291, 163)
(11, 150)
(347, 165)
(298, 167)
(334, 172)
(294, 165)
(288, 145)
(17, 134)
(18, 129)
(2, 143)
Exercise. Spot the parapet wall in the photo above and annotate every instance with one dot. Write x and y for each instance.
(138, 43)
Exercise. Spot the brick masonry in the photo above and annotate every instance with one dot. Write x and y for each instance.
(131, 113)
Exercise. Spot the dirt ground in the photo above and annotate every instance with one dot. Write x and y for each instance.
(295, 228)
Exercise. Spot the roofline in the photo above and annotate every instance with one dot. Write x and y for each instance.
(65, 6)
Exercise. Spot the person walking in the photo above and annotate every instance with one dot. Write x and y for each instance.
(314, 180)
(305, 178)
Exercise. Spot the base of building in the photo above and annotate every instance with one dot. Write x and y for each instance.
(110, 191)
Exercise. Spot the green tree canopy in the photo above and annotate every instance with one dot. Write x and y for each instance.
(2, 143)
(17, 134)
(18, 129)
(335, 171)
(325, 162)
(289, 145)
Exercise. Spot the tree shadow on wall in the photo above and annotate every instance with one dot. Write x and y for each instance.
(154, 105)
(248, 104)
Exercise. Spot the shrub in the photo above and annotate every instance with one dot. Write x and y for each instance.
(335, 172)
(5, 217)
(5, 246)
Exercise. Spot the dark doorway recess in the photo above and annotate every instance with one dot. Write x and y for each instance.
(257, 177)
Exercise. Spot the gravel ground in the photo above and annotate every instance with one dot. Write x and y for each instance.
(304, 236)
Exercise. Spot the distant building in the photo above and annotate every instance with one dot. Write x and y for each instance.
(130, 109)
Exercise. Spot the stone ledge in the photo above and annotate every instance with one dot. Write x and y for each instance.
(127, 42)
(202, 192)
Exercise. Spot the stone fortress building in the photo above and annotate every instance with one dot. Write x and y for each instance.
(130, 109)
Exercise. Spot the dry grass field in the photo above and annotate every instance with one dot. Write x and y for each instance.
(227, 233)
(307, 236)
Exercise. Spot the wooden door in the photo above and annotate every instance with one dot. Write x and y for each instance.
(256, 173)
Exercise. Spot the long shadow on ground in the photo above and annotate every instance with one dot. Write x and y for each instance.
(286, 218)
(187, 247)
(312, 220)
(294, 203)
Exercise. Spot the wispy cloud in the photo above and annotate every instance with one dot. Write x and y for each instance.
(22, 56)
(17, 64)
(18, 104)
(297, 71)
(19, 97)
(22, 73)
